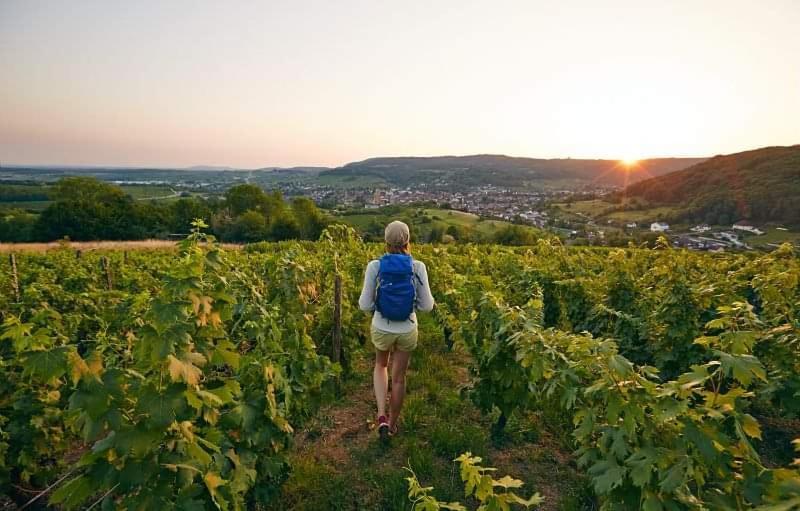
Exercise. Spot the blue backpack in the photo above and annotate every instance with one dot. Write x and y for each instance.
(396, 293)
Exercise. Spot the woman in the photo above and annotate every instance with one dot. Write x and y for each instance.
(394, 287)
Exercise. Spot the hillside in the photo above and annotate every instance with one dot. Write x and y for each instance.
(762, 185)
(502, 170)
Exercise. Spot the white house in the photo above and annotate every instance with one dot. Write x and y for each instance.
(659, 227)
(744, 226)
(631, 225)
(701, 228)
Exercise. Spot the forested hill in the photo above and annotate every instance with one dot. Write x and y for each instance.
(501, 170)
(762, 185)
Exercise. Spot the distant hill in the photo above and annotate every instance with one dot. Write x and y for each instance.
(502, 170)
(211, 168)
(292, 169)
(762, 185)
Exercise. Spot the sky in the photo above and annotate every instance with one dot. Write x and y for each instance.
(250, 84)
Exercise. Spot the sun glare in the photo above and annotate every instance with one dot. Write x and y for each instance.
(629, 162)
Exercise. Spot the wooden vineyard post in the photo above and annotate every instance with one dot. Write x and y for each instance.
(14, 276)
(107, 269)
(125, 257)
(337, 319)
(77, 254)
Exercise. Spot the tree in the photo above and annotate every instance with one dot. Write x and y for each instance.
(274, 204)
(152, 218)
(455, 232)
(85, 189)
(241, 198)
(309, 218)
(88, 209)
(250, 226)
(514, 235)
(222, 225)
(284, 227)
(435, 234)
(17, 226)
(184, 211)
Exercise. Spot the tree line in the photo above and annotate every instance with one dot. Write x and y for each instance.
(87, 209)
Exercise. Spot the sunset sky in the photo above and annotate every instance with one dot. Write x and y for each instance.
(251, 84)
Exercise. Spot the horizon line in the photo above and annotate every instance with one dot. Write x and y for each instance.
(289, 167)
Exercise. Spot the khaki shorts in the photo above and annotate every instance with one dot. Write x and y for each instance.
(385, 341)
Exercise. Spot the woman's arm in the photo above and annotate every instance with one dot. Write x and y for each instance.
(424, 296)
(366, 302)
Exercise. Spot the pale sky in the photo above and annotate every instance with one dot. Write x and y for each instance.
(251, 84)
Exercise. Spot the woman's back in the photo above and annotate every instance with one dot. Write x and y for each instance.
(423, 302)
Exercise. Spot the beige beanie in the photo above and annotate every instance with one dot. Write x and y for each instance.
(396, 234)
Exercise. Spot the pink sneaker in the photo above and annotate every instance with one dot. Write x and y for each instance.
(383, 428)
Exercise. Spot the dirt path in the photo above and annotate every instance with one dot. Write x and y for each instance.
(339, 464)
(339, 428)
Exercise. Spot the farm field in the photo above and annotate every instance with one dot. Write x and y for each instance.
(447, 218)
(30, 205)
(144, 192)
(773, 237)
(643, 215)
(209, 378)
(592, 208)
(599, 209)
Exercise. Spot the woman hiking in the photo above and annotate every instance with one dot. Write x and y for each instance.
(394, 287)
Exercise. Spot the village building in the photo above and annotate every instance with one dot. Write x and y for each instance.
(747, 227)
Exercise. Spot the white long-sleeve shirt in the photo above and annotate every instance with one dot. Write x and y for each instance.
(424, 298)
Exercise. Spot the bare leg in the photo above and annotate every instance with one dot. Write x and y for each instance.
(399, 365)
(380, 379)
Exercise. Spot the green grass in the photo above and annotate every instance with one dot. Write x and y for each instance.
(454, 217)
(38, 205)
(772, 236)
(642, 215)
(448, 217)
(449, 439)
(591, 208)
(362, 222)
(601, 210)
(147, 191)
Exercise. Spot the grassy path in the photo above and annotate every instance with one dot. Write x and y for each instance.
(339, 464)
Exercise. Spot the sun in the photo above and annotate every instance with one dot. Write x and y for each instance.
(629, 162)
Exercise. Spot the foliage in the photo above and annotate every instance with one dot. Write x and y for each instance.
(679, 436)
(760, 185)
(492, 494)
(514, 235)
(85, 208)
(187, 376)
(190, 403)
